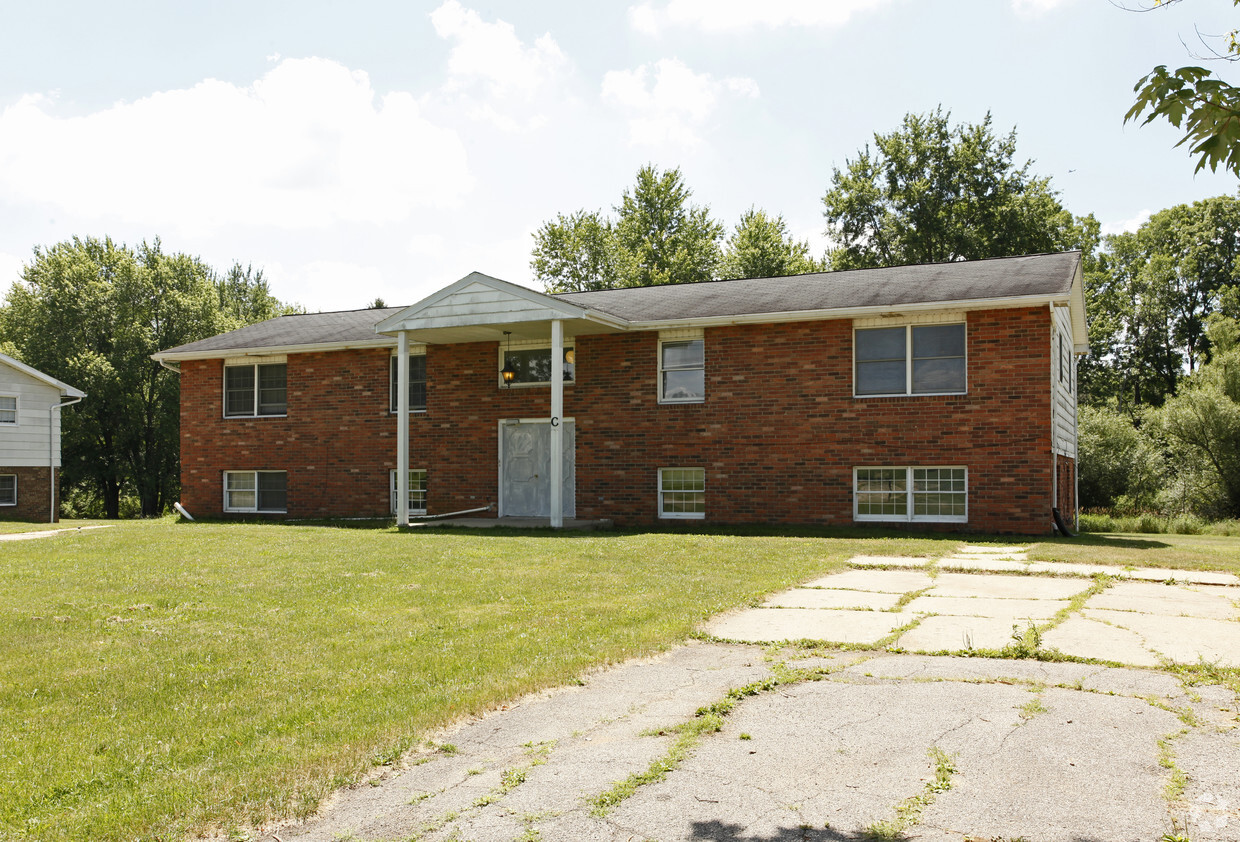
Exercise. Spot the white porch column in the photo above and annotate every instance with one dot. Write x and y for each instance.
(557, 423)
(402, 428)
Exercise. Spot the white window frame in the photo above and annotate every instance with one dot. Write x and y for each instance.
(391, 375)
(413, 510)
(681, 340)
(17, 410)
(254, 413)
(910, 515)
(255, 509)
(666, 515)
(908, 359)
(14, 503)
(570, 363)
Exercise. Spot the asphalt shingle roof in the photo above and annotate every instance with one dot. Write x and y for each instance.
(977, 280)
(1006, 277)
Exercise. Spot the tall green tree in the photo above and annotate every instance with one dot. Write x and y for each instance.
(1201, 425)
(657, 237)
(932, 192)
(761, 247)
(1150, 297)
(90, 312)
(1198, 101)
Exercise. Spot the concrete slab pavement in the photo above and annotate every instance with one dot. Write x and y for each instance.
(1032, 749)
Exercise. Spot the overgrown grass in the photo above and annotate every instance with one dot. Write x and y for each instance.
(1153, 524)
(160, 678)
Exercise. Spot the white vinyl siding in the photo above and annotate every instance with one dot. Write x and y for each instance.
(682, 493)
(1063, 383)
(8, 489)
(256, 491)
(922, 359)
(23, 441)
(911, 494)
(255, 390)
(417, 491)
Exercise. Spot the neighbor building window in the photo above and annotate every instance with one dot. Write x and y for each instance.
(910, 360)
(682, 493)
(417, 383)
(682, 371)
(258, 389)
(417, 491)
(911, 494)
(8, 409)
(255, 491)
(8, 489)
(533, 365)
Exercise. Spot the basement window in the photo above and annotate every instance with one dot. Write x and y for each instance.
(682, 493)
(256, 491)
(931, 495)
(417, 491)
(8, 489)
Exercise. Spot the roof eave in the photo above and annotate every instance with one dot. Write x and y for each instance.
(219, 353)
(1000, 303)
(47, 379)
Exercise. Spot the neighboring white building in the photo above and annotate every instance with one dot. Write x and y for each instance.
(30, 403)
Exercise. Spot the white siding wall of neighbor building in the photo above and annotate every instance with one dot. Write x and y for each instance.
(1063, 383)
(24, 444)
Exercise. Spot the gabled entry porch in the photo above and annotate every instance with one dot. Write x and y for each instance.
(536, 456)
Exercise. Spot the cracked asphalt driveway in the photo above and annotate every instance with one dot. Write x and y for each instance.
(756, 742)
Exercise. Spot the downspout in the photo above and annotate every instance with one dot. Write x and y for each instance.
(1054, 355)
(52, 514)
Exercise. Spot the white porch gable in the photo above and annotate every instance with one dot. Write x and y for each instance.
(479, 308)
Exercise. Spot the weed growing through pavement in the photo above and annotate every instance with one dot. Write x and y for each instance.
(908, 812)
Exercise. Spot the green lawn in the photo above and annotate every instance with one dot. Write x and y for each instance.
(158, 678)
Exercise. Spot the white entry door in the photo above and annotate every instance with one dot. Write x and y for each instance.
(525, 469)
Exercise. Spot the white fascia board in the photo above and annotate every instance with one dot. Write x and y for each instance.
(854, 312)
(1076, 308)
(220, 353)
(65, 388)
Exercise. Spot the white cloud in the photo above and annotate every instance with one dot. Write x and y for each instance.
(1123, 225)
(309, 145)
(667, 102)
(493, 71)
(1034, 8)
(319, 284)
(724, 15)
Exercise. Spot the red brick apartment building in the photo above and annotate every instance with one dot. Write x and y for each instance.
(937, 395)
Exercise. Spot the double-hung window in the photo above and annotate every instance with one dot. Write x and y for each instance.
(417, 383)
(256, 491)
(255, 389)
(8, 489)
(417, 491)
(910, 360)
(682, 493)
(8, 410)
(682, 371)
(911, 494)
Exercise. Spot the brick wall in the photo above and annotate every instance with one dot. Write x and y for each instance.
(33, 496)
(778, 434)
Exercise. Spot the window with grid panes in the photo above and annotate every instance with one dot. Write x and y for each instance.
(682, 493)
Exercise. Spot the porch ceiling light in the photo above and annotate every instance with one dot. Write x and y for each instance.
(508, 372)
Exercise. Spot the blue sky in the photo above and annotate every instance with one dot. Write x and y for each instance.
(383, 149)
